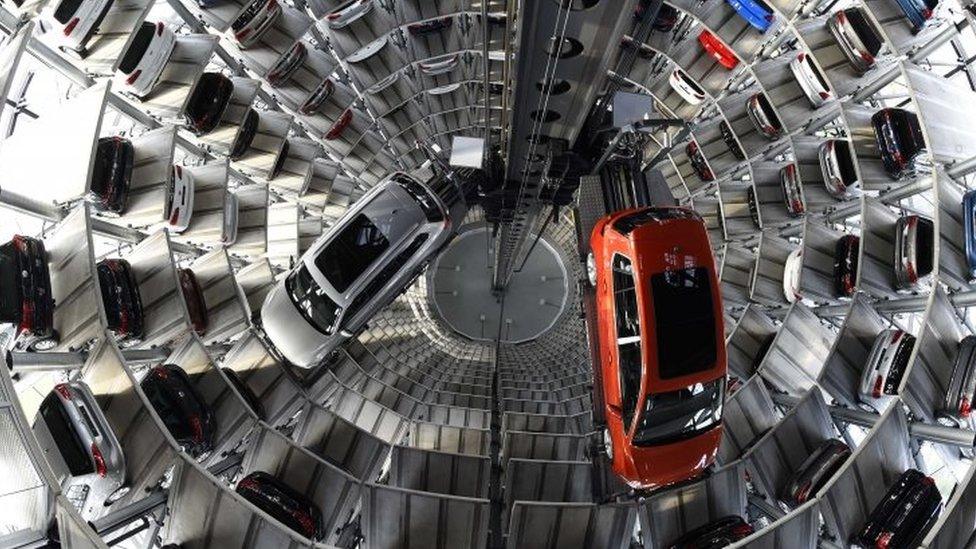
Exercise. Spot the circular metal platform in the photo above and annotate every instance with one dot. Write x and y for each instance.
(462, 293)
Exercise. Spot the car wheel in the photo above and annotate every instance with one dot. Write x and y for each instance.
(591, 268)
(45, 344)
(117, 495)
(607, 445)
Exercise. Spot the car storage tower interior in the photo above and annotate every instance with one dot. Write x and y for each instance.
(469, 412)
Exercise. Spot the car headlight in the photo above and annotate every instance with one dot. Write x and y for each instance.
(591, 268)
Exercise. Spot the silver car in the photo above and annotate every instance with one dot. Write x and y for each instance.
(913, 251)
(857, 37)
(364, 262)
(80, 446)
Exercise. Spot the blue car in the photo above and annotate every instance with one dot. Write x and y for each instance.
(969, 229)
(757, 13)
(918, 11)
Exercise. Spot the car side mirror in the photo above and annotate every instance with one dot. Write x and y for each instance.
(346, 334)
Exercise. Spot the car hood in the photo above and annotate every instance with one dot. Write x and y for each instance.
(666, 464)
(290, 333)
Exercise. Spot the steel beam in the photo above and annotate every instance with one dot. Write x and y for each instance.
(963, 438)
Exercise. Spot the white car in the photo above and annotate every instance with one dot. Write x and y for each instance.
(144, 60)
(686, 87)
(254, 21)
(791, 275)
(179, 199)
(349, 13)
(443, 66)
(228, 233)
(78, 20)
(811, 79)
(364, 262)
(885, 367)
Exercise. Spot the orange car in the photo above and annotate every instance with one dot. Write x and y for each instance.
(662, 346)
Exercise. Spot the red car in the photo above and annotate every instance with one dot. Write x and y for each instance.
(717, 49)
(659, 319)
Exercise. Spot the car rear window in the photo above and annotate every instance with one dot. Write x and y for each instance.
(908, 131)
(691, 82)
(9, 284)
(864, 29)
(684, 322)
(138, 47)
(816, 72)
(423, 198)
(353, 251)
(65, 10)
(923, 246)
(64, 435)
(767, 108)
(846, 162)
(249, 12)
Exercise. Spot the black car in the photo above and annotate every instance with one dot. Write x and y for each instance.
(730, 141)
(431, 26)
(252, 400)
(280, 161)
(208, 102)
(111, 174)
(814, 472)
(25, 293)
(698, 162)
(900, 140)
(245, 135)
(284, 503)
(962, 383)
(185, 413)
(715, 534)
(906, 512)
(120, 295)
(845, 265)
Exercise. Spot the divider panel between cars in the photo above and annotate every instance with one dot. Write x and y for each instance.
(798, 352)
(227, 311)
(666, 516)
(180, 75)
(545, 525)
(221, 138)
(252, 222)
(842, 371)
(440, 472)
(748, 414)
(397, 517)
(209, 196)
(269, 138)
(165, 318)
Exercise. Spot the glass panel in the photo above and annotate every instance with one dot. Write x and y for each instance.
(353, 251)
(682, 414)
(684, 322)
(313, 303)
(65, 437)
(628, 336)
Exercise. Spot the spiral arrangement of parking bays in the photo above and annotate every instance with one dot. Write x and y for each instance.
(165, 164)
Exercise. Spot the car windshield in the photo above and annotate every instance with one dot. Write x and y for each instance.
(313, 303)
(684, 321)
(864, 30)
(138, 47)
(682, 414)
(247, 15)
(65, 436)
(907, 131)
(352, 251)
